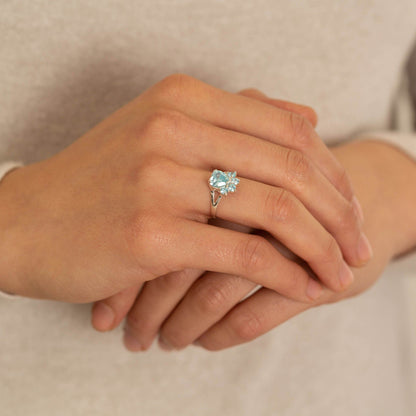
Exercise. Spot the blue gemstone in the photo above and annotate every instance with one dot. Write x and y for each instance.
(224, 181)
(218, 179)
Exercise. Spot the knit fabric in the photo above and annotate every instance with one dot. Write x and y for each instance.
(67, 65)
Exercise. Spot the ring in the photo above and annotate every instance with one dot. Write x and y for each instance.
(221, 183)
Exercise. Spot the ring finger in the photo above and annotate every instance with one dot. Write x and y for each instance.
(272, 209)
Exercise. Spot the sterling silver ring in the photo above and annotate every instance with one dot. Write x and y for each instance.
(220, 183)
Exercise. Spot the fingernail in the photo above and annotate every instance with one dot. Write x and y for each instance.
(103, 316)
(314, 289)
(130, 341)
(346, 276)
(364, 249)
(357, 208)
(164, 344)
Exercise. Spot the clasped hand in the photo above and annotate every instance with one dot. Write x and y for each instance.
(309, 206)
(122, 216)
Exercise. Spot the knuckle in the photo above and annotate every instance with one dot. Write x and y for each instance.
(143, 236)
(298, 168)
(278, 206)
(329, 251)
(161, 122)
(252, 254)
(342, 182)
(310, 114)
(250, 92)
(300, 129)
(347, 220)
(210, 297)
(174, 87)
(140, 324)
(177, 78)
(296, 280)
(175, 336)
(247, 326)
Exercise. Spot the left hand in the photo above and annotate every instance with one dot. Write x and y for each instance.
(121, 302)
(211, 311)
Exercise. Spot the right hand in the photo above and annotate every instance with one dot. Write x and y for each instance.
(129, 200)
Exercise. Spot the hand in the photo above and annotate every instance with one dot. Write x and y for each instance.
(211, 310)
(159, 297)
(129, 201)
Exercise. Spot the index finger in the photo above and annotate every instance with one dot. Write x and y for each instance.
(254, 117)
(303, 110)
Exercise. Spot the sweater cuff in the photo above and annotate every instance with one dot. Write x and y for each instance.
(4, 169)
(406, 142)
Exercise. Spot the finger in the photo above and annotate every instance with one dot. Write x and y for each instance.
(205, 303)
(303, 110)
(277, 211)
(158, 298)
(107, 314)
(208, 300)
(274, 165)
(206, 247)
(155, 302)
(253, 117)
(255, 316)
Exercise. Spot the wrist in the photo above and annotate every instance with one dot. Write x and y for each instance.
(383, 178)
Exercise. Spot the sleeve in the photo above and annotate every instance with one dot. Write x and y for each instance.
(4, 169)
(403, 135)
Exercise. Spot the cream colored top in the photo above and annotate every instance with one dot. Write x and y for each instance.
(64, 66)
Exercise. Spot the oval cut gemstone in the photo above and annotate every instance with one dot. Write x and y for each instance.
(224, 182)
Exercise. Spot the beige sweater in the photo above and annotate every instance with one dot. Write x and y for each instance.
(66, 65)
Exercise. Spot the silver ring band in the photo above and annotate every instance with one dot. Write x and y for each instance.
(220, 183)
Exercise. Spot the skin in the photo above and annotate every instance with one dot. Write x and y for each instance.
(158, 298)
(381, 175)
(211, 313)
(113, 210)
(185, 306)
